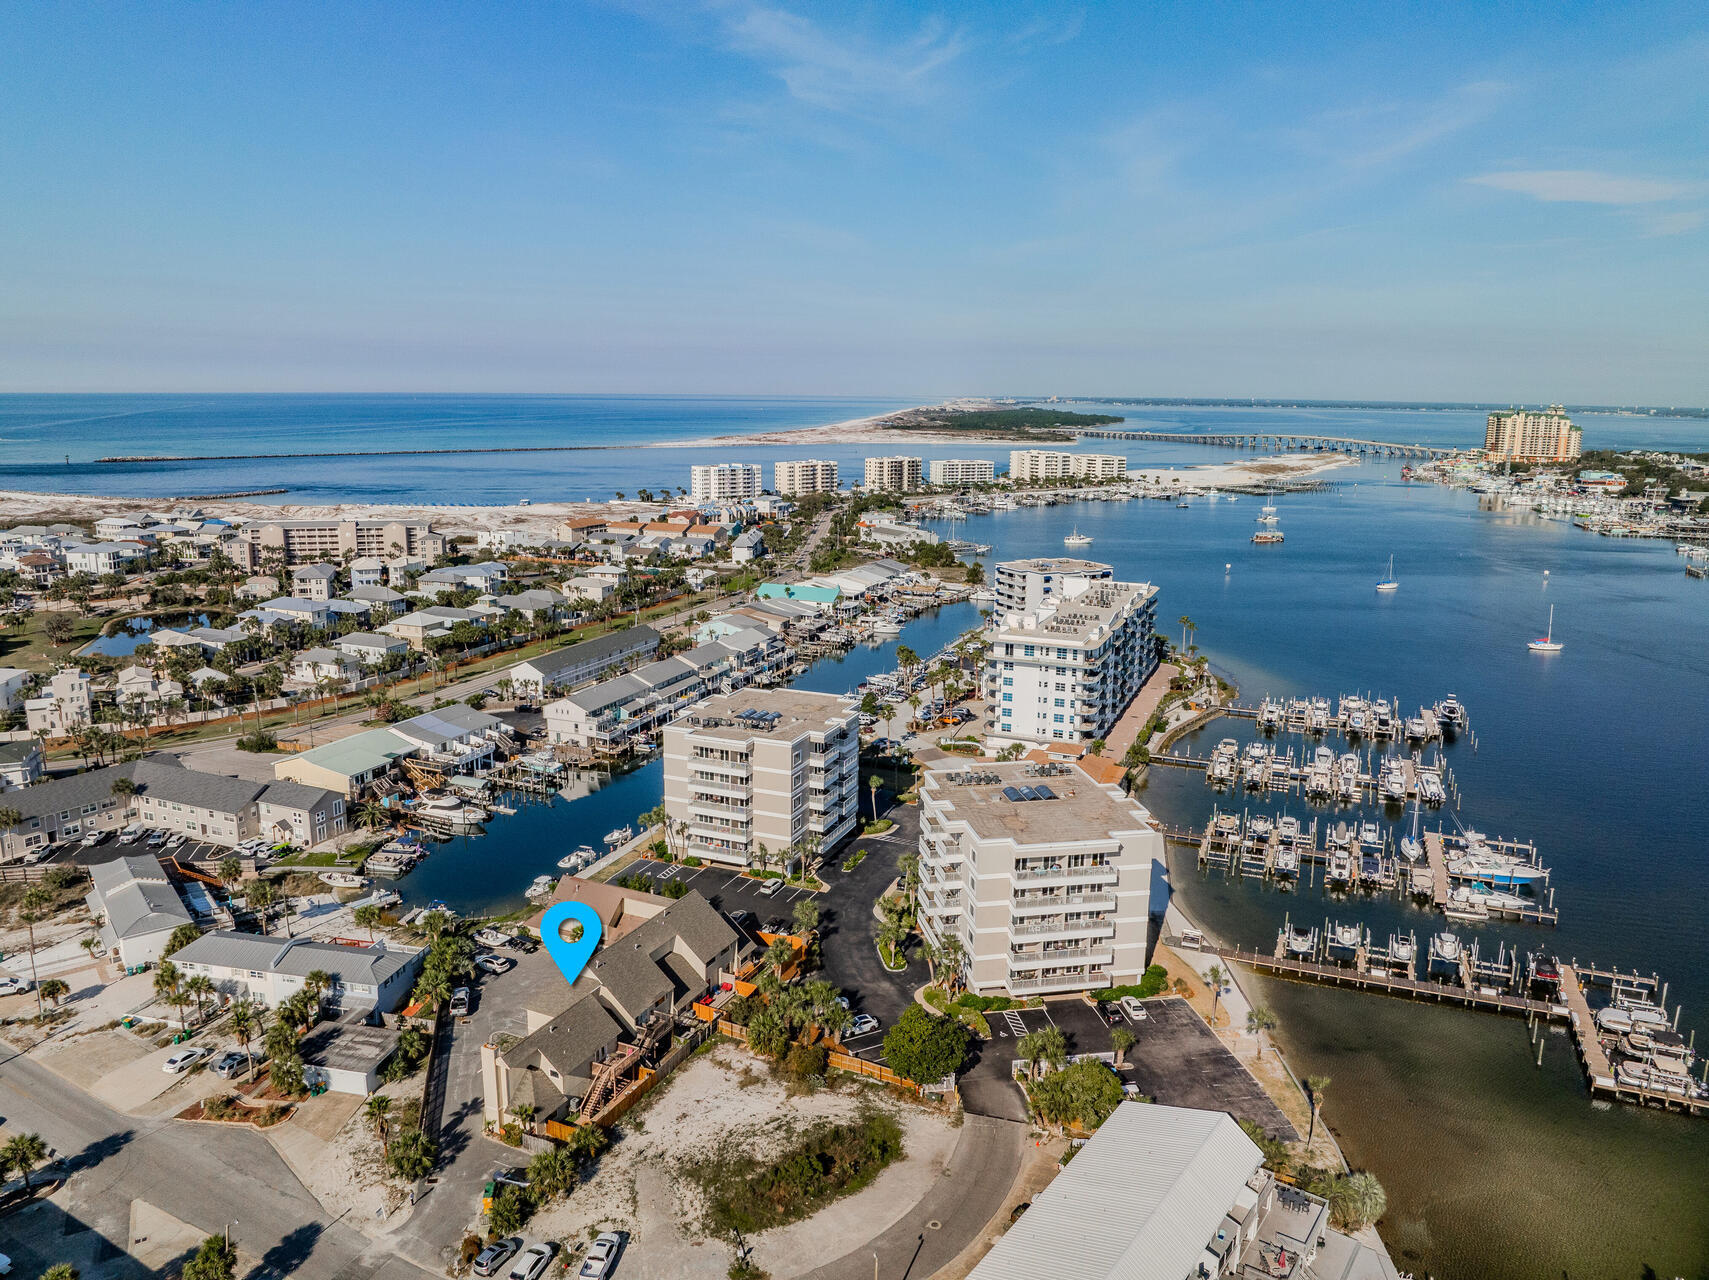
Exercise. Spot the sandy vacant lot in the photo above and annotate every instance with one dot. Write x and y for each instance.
(727, 1094)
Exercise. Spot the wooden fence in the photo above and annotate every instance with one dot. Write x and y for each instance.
(836, 1059)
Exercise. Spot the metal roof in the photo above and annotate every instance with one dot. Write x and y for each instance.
(297, 957)
(1140, 1201)
(136, 897)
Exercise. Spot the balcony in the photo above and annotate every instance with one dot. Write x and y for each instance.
(1051, 959)
(1064, 929)
(730, 768)
(1068, 875)
(1059, 982)
(1057, 903)
(705, 831)
(717, 787)
(712, 814)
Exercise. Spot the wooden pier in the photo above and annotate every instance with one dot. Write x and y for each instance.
(1392, 984)
(1597, 1067)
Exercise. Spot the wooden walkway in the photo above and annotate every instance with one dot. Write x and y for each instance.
(1391, 984)
(1596, 1064)
(1438, 869)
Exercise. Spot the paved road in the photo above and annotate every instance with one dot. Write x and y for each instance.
(205, 1175)
(972, 1189)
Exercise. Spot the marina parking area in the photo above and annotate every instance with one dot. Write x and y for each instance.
(115, 847)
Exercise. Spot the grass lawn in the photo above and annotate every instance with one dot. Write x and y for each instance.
(26, 645)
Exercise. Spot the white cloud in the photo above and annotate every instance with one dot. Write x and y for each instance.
(839, 73)
(1582, 186)
(1374, 133)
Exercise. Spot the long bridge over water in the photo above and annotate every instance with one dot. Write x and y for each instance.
(1278, 440)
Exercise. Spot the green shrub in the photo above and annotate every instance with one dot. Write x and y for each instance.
(828, 1161)
(258, 740)
(806, 1062)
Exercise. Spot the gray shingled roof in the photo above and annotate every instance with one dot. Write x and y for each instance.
(71, 793)
(175, 783)
(612, 643)
(570, 1040)
(297, 795)
(353, 966)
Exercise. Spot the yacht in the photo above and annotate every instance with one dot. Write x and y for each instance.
(1357, 721)
(1317, 718)
(1548, 643)
(1301, 943)
(1450, 712)
(1445, 955)
(1267, 537)
(1077, 539)
(579, 858)
(1390, 583)
(1287, 861)
(886, 627)
(452, 812)
(1287, 831)
(1270, 715)
(1496, 870)
(1416, 729)
(1412, 849)
(1340, 868)
(1393, 782)
(1430, 788)
(1382, 719)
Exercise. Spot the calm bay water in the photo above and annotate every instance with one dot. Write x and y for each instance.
(1495, 1167)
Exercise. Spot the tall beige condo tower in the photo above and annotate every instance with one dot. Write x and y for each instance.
(1527, 436)
(777, 768)
(1044, 875)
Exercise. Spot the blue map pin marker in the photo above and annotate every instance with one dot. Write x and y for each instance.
(570, 957)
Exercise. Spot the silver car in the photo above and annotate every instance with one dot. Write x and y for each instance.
(601, 1257)
(532, 1262)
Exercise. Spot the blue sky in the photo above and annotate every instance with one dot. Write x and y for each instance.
(1385, 201)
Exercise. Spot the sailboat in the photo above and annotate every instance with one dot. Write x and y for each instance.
(1548, 644)
(1078, 539)
(1390, 583)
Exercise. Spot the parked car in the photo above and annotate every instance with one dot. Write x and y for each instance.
(1133, 1008)
(460, 1002)
(864, 1024)
(532, 1262)
(156, 839)
(527, 946)
(505, 1176)
(770, 887)
(495, 1255)
(601, 1256)
(12, 985)
(229, 1064)
(177, 841)
(183, 1060)
(486, 962)
(93, 838)
(742, 919)
(37, 855)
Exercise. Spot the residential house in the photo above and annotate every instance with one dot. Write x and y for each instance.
(138, 907)
(367, 571)
(139, 688)
(347, 765)
(63, 706)
(21, 763)
(535, 603)
(747, 547)
(12, 682)
(320, 663)
(485, 577)
(459, 737)
(428, 624)
(314, 581)
(292, 813)
(270, 970)
(587, 660)
(381, 601)
(103, 557)
(294, 609)
(369, 647)
(593, 590)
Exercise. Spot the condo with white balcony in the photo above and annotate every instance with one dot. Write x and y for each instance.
(776, 770)
(1064, 670)
(725, 482)
(1044, 875)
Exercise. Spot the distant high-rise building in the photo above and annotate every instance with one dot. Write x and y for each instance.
(896, 475)
(726, 482)
(963, 471)
(1025, 585)
(1052, 464)
(1523, 435)
(809, 475)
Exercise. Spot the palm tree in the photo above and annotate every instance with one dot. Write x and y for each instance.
(245, 1022)
(951, 956)
(261, 898)
(525, 1113)
(23, 1153)
(553, 1172)
(892, 933)
(378, 1112)
(1216, 977)
(1032, 1049)
(1360, 1201)
(873, 783)
(1258, 1021)
(1121, 1040)
(10, 816)
(37, 904)
(366, 917)
(779, 956)
(200, 986)
(317, 983)
(55, 989)
(1315, 1087)
(806, 916)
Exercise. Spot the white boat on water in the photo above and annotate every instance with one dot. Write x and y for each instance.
(1430, 789)
(1548, 643)
(1077, 539)
(1340, 868)
(343, 879)
(1450, 712)
(1445, 953)
(1287, 861)
(1301, 943)
(574, 861)
(622, 835)
(1390, 583)
(451, 811)
(542, 887)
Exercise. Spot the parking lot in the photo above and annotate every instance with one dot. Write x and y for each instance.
(116, 846)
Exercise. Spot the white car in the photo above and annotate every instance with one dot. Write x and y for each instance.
(1133, 1008)
(183, 1060)
(532, 1262)
(495, 965)
(460, 1002)
(93, 838)
(12, 985)
(770, 887)
(601, 1256)
(864, 1024)
(177, 841)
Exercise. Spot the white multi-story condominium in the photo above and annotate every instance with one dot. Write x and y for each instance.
(310, 541)
(1066, 670)
(1526, 436)
(809, 475)
(894, 475)
(771, 768)
(1023, 585)
(1044, 875)
(725, 482)
(63, 706)
(1051, 464)
(963, 471)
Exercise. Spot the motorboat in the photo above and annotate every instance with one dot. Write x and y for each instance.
(1450, 712)
(491, 937)
(1287, 830)
(1339, 837)
(1370, 835)
(1317, 718)
(1227, 825)
(1382, 718)
(622, 835)
(1344, 940)
(1287, 861)
(1547, 643)
(1270, 715)
(574, 861)
(1643, 1012)
(1416, 729)
(1445, 954)
(1393, 780)
(1357, 720)
(1402, 950)
(1340, 868)
(1646, 1076)
(1258, 828)
(1300, 942)
(1665, 1049)
(1495, 870)
(450, 811)
(1497, 901)
(1077, 539)
(1390, 583)
(542, 887)
(1430, 788)
(1267, 537)
(1621, 1017)
(1546, 972)
(343, 879)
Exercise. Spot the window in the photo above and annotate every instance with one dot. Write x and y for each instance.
(1056, 720)
(1008, 697)
(1059, 703)
(1008, 681)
